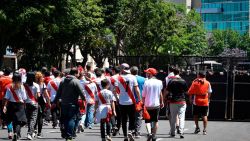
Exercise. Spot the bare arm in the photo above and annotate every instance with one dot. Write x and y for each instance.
(113, 108)
(161, 100)
(137, 91)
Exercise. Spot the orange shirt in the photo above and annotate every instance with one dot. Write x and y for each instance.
(4, 81)
(200, 89)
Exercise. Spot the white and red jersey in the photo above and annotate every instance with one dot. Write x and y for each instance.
(52, 87)
(18, 95)
(97, 81)
(169, 77)
(151, 92)
(126, 84)
(90, 92)
(107, 97)
(32, 93)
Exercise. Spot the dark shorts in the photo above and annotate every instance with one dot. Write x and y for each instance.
(200, 110)
(154, 115)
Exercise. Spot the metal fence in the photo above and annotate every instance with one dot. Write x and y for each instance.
(231, 84)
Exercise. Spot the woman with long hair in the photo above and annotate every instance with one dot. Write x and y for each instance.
(33, 92)
(43, 102)
(15, 98)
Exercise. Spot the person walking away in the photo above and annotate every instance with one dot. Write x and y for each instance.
(153, 100)
(127, 84)
(199, 95)
(43, 103)
(138, 116)
(105, 108)
(68, 93)
(14, 105)
(90, 92)
(33, 92)
(52, 89)
(177, 91)
(170, 76)
(116, 121)
(5, 80)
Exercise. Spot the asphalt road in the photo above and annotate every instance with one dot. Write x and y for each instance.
(217, 131)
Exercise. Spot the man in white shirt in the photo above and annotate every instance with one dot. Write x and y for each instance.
(153, 101)
(127, 84)
(52, 87)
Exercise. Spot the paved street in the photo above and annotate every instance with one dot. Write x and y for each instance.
(217, 131)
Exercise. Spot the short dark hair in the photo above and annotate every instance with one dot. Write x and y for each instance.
(88, 66)
(30, 78)
(56, 73)
(73, 71)
(7, 71)
(104, 83)
(98, 72)
(134, 70)
(44, 70)
(17, 77)
(117, 69)
(108, 70)
(46, 73)
(171, 68)
(176, 71)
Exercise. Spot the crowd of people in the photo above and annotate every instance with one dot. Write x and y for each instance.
(115, 97)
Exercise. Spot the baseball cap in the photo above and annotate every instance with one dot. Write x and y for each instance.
(125, 67)
(152, 71)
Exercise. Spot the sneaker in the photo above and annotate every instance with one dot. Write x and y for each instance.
(154, 139)
(197, 130)
(130, 136)
(10, 135)
(204, 132)
(33, 135)
(14, 138)
(90, 127)
(39, 135)
(108, 138)
(172, 136)
(182, 136)
(115, 131)
(29, 137)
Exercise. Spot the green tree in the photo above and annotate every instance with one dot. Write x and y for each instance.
(221, 40)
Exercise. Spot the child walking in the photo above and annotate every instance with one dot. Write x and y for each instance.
(104, 108)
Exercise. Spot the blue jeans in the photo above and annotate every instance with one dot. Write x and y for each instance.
(89, 115)
(69, 117)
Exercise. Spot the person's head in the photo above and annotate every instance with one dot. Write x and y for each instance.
(176, 71)
(43, 70)
(89, 67)
(116, 69)
(125, 68)
(74, 72)
(56, 73)
(134, 70)
(30, 78)
(171, 68)
(46, 74)
(202, 74)
(16, 80)
(98, 72)
(39, 77)
(151, 72)
(7, 71)
(105, 83)
(108, 72)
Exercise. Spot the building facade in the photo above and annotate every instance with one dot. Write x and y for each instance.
(224, 14)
